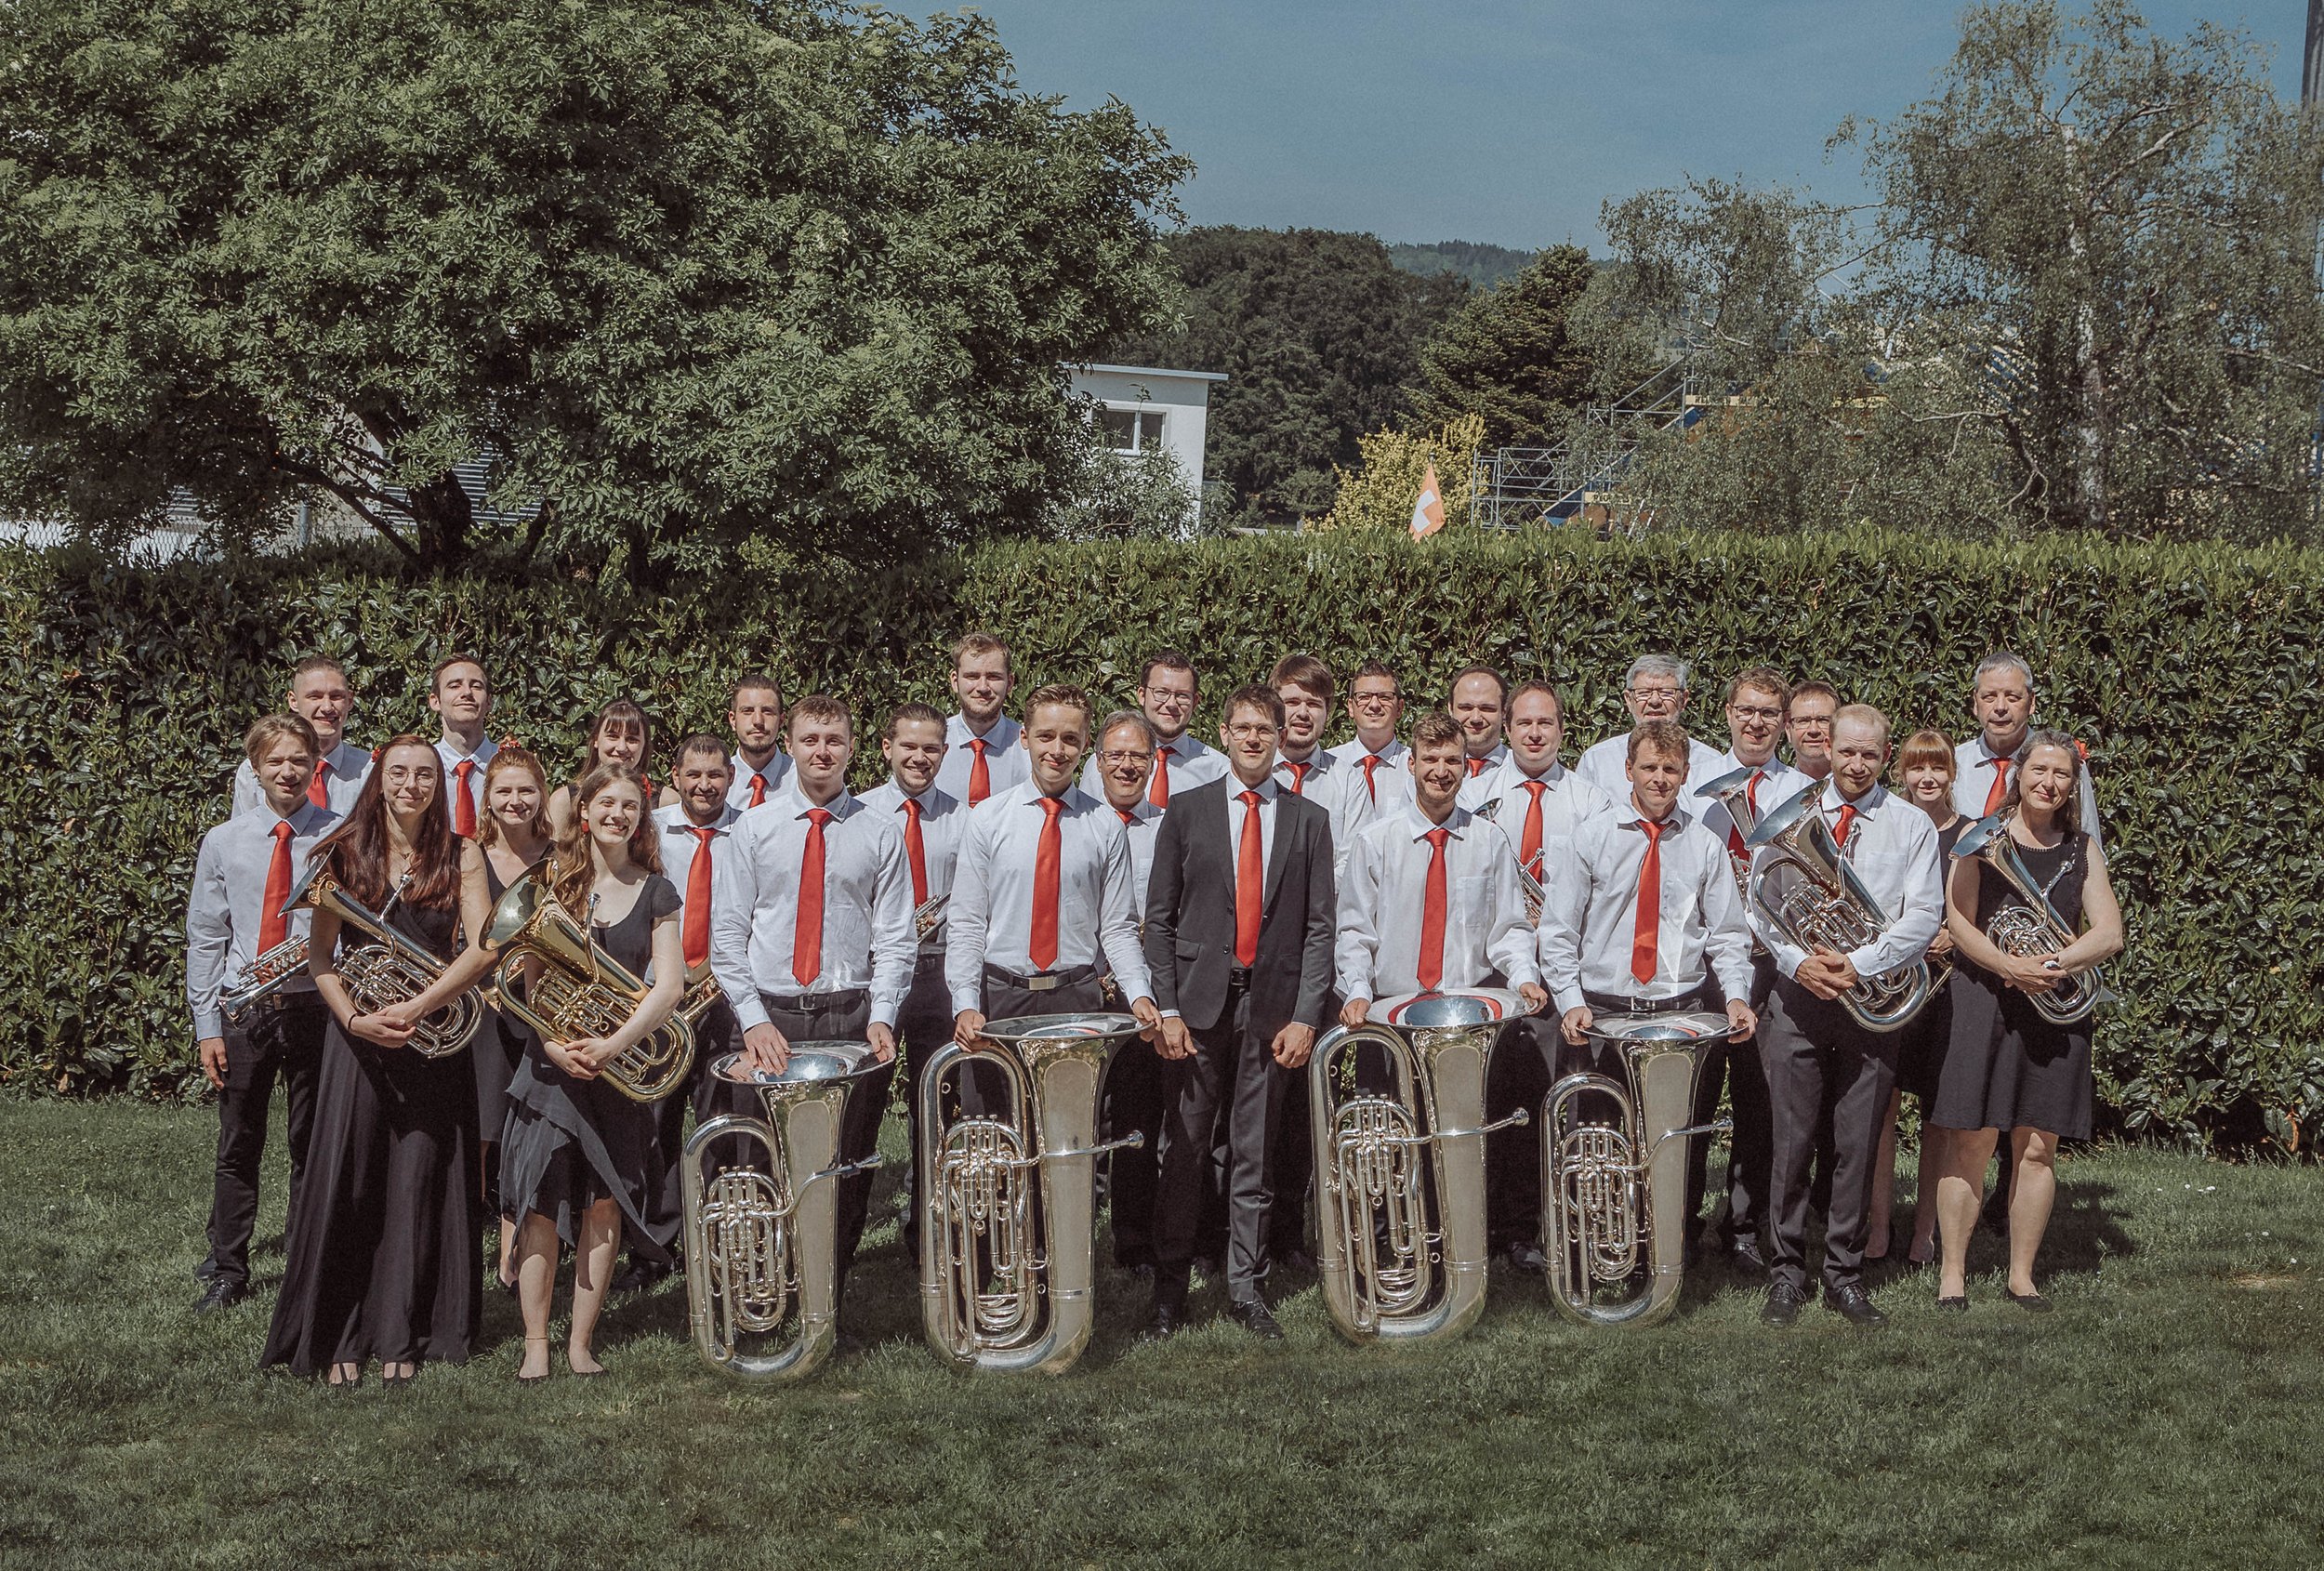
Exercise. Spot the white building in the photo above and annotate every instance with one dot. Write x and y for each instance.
(1145, 407)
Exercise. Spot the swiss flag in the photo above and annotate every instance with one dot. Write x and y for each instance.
(1428, 513)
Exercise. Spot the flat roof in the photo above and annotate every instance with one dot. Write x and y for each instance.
(1155, 371)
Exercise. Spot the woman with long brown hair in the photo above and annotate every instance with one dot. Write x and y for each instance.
(382, 1249)
(514, 834)
(577, 1155)
(620, 735)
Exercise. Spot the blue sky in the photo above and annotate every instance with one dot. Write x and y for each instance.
(1505, 121)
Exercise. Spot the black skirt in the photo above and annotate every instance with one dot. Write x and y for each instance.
(2007, 1069)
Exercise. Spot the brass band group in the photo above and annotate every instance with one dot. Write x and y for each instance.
(1387, 1011)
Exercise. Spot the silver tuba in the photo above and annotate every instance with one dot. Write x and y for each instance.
(1614, 1196)
(1400, 1172)
(391, 970)
(1009, 1201)
(2033, 927)
(761, 1242)
(1815, 900)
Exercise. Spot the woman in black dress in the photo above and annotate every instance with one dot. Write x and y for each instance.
(576, 1155)
(382, 1255)
(1923, 777)
(620, 735)
(514, 835)
(2008, 1068)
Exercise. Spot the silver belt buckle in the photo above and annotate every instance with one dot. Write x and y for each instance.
(1041, 984)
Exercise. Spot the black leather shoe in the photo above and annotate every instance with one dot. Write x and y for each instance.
(224, 1292)
(1525, 1255)
(1163, 1323)
(2032, 1304)
(638, 1276)
(1745, 1260)
(1783, 1305)
(1251, 1314)
(1855, 1305)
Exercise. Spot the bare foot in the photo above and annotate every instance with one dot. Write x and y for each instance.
(582, 1361)
(535, 1365)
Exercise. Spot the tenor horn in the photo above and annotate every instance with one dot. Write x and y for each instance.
(1613, 1194)
(1009, 1200)
(2032, 929)
(761, 1236)
(1400, 1171)
(391, 970)
(1815, 901)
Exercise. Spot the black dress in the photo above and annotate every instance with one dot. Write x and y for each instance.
(500, 1044)
(1927, 1037)
(382, 1260)
(571, 1143)
(2007, 1067)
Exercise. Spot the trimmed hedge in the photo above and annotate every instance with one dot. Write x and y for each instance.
(2192, 673)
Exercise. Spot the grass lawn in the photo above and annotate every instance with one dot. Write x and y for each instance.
(2171, 1413)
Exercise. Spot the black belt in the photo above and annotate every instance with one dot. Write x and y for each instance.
(817, 1003)
(1040, 981)
(1685, 1003)
(278, 1003)
(1239, 976)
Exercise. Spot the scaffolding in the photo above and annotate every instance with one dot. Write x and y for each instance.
(1529, 487)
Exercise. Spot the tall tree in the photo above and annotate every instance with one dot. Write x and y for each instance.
(688, 270)
(1508, 356)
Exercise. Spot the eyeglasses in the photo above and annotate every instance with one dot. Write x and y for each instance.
(1753, 712)
(1372, 700)
(1121, 758)
(1251, 730)
(1658, 692)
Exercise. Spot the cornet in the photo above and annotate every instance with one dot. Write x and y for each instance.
(266, 976)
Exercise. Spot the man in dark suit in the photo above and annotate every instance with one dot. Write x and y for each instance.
(1238, 939)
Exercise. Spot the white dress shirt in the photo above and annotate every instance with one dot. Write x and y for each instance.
(1472, 780)
(777, 774)
(225, 909)
(1139, 827)
(866, 906)
(1973, 782)
(1566, 800)
(1893, 847)
(1385, 894)
(344, 768)
(680, 842)
(1005, 760)
(991, 914)
(1238, 813)
(451, 759)
(1607, 765)
(1590, 917)
(942, 818)
(1390, 781)
(1337, 788)
(1192, 763)
(1778, 783)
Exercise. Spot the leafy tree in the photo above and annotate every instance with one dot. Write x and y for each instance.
(1486, 267)
(1317, 331)
(1508, 357)
(1381, 492)
(687, 269)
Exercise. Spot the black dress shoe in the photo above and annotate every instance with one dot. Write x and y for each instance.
(1782, 1304)
(1522, 1254)
(1251, 1314)
(638, 1276)
(1745, 1260)
(2032, 1304)
(223, 1292)
(1855, 1305)
(1164, 1323)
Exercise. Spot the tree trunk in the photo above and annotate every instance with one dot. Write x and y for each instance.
(443, 515)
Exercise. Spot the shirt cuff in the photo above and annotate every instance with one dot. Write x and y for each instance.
(1171, 1014)
(885, 1014)
(965, 999)
(1567, 1000)
(208, 1023)
(750, 1011)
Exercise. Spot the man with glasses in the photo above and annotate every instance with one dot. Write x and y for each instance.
(1133, 1085)
(1166, 696)
(1807, 725)
(1376, 704)
(1655, 689)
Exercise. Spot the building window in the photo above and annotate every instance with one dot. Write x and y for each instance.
(1133, 430)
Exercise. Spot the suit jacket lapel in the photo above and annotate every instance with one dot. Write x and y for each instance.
(1281, 854)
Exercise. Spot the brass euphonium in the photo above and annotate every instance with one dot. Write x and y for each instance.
(1732, 790)
(1613, 1194)
(2032, 930)
(1400, 1172)
(1006, 1262)
(391, 970)
(1815, 900)
(581, 991)
(763, 1241)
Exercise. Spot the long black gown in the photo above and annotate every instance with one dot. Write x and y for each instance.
(500, 1044)
(570, 1142)
(382, 1258)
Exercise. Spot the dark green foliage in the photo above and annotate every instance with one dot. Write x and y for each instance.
(1508, 356)
(1317, 332)
(1484, 267)
(2190, 672)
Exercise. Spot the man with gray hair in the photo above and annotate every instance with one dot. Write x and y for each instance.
(1126, 746)
(1653, 688)
(2003, 701)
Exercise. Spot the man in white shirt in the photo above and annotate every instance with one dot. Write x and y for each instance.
(1807, 726)
(981, 753)
(1166, 696)
(319, 694)
(1823, 1068)
(243, 875)
(1479, 702)
(810, 930)
(1376, 706)
(462, 698)
(1655, 688)
(755, 716)
(1984, 766)
(1133, 1085)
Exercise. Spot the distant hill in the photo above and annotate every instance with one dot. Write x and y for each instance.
(1483, 266)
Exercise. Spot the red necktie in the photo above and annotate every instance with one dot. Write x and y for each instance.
(1158, 790)
(1048, 862)
(1299, 776)
(695, 935)
(1370, 762)
(916, 850)
(1431, 970)
(1846, 821)
(273, 925)
(1529, 844)
(316, 793)
(463, 805)
(1250, 883)
(980, 774)
(1476, 767)
(1129, 815)
(2001, 786)
(1642, 947)
(807, 941)
(1735, 848)
(757, 787)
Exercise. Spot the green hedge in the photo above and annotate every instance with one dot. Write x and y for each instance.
(2191, 672)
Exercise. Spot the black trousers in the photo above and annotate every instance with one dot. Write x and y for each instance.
(1294, 1152)
(1825, 1072)
(1233, 1066)
(280, 1038)
(1134, 1100)
(1735, 1067)
(923, 1025)
(1519, 1075)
